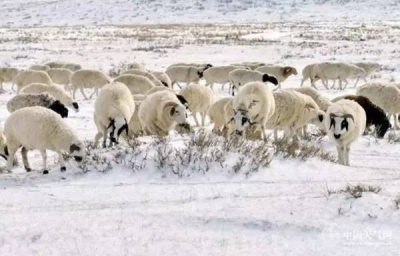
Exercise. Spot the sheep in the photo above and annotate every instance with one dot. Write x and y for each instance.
(40, 128)
(163, 77)
(345, 123)
(253, 105)
(322, 101)
(185, 74)
(30, 100)
(54, 90)
(136, 65)
(88, 78)
(150, 76)
(7, 75)
(199, 100)
(385, 96)
(307, 73)
(279, 72)
(240, 77)
(160, 112)
(293, 111)
(218, 74)
(136, 84)
(220, 113)
(39, 67)
(252, 65)
(60, 76)
(54, 64)
(375, 115)
(333, 71)
(369, 68)
(72, 66)
(113, 110)
(181, 64)
(27, 77)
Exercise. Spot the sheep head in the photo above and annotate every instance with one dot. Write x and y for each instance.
(287, 71)
(340, 124)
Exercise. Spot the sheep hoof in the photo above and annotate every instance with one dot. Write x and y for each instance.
(28, 169)
(63, 168)
(46, 172)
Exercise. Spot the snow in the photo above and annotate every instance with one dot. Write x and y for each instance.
(287, 208)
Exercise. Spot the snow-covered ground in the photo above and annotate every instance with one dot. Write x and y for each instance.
(291, 207)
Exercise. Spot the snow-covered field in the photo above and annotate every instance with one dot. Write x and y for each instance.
(124, 201)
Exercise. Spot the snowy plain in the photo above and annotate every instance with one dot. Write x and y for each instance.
(288, 208)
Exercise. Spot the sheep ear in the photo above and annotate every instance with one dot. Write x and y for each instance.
(182, 99)
(287, 70)
(200, 73)
(164, 83)
(172, 111)
(73, 148)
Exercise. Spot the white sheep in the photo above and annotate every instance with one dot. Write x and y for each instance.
(136, 84)
(322, 101)
(136, 65)
(60, 76)
(31, 127)
(332, 71)
(54, 90)
(240, 77)
(218, 74)
(39, 67)
(199, 99)
(220, 113)
(252, 65)
(293, 111)
(135, 126)
(385, 96)
(27, 77)
(307, 73)
(7, 75)
(113, 110)
(184, 74)
(345, 123)
(30, 100)
(253, 105)
(88, 78)
(163, 77)
(281, 73)
(149, 75)
(369, 68)
(160, 112)
(181, 64)
(72, 66)
(54, 64)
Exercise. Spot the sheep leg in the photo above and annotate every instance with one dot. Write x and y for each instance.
(340, 84)
(276, 135)
(61, 161)
(302, 81)
(347, 155)
(325, 83)
(83, 92)
(24, 153)
(195, 119)
(365, 80)
(340, 154)
(11, 151)
(346, 83)
(203, 118)
(179, 86)
(74, 92)
(96, 91)
(1, 85)
(44, 161)
(358, 78)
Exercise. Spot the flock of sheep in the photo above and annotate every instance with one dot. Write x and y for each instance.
(143, 102)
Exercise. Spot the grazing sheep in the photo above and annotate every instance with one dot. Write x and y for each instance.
(60, 76)
(218, 74)
(27, 77)
(54, 64)
(253, 105)
(149, 75)
(185, 74)
(136, 65)
(88, 78)
(30, 100)
(136, 84)
(199, 100)
(322, 101)
(54, 90)
(72, 66)
(7, 75)
(345, 123)
(376, 116)
(160, 112)
(163, 77)
(240, 77)
(385, 96)
(279, 72)
(332, 71)
(113, 110)
(369, 68)
(31, 127)
(307, 73)
(39, 67)
(220, 113)
(293, 110)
